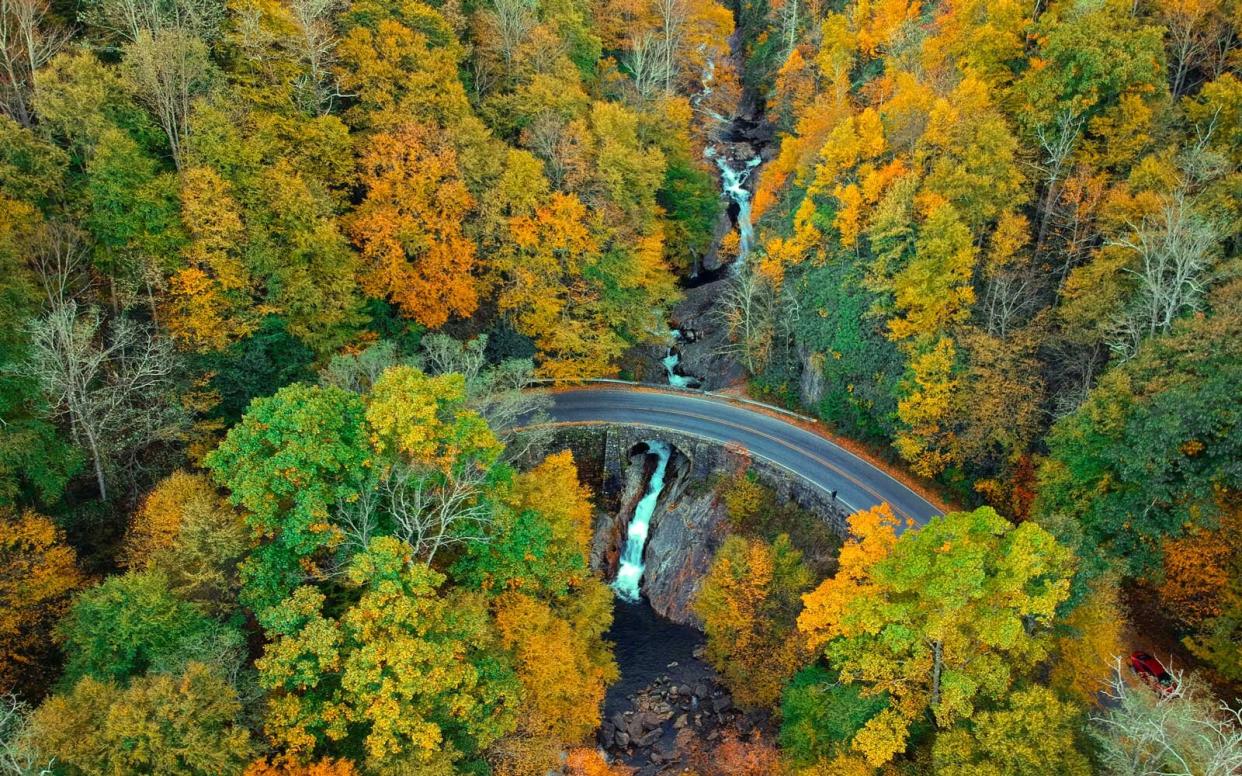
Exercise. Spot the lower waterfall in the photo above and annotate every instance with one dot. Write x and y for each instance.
(630, 572)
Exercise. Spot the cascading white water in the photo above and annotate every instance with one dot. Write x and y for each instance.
(671, 361)
(734, 186)
(630, 571)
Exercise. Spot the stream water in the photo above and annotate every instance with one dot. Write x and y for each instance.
(672, 365)
(736, 155)
(733, 183)
(630, 572)
(645, 646)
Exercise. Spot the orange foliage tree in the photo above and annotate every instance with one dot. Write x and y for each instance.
(38, 572)
(409, 227)
(284, 767)
(589, 762)
(735, 756)
(1198, 567)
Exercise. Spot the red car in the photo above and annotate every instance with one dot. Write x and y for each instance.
(1151, 671)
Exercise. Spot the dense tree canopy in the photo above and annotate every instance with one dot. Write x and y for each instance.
(278, 277)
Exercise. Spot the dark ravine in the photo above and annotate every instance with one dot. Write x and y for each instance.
(738, 150)
(668, 701)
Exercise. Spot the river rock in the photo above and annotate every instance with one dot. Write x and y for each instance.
(650, 738)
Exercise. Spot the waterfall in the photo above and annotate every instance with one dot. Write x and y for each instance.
(631, 570)
(734, 185)
(671, 361)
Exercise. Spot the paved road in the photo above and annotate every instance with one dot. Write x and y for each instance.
(828, 466)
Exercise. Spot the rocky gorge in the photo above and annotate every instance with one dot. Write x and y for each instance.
(669, 703)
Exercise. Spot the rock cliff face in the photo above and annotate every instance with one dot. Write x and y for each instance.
(684, 539)
(690, 522)
(687, 528)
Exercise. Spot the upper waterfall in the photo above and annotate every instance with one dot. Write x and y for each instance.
(733, 182)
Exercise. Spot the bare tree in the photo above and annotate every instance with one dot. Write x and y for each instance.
(127, 20)
(787, 16)
(357, 372)
(1175, 249)
(115, 388)
(429, 507)
(548, 138)
(358, 518)
(1195, 33)
(648, 64)
(1057, 142)
(673, 15)
(749, 312)
(170, 69)
(317, 85)
(1176, 731)
(512, 22)
(1010, 296)
(60, 258)
(442, 355)
(18, 755)
(501, 393)
(432, 509)
(27, 42)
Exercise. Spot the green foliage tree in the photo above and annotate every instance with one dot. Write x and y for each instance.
(1143, 458)
(942, 619)
(133, 623)
(820, 715)
(286, 464)
(416, 670)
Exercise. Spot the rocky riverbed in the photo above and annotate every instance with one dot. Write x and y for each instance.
(669, 703)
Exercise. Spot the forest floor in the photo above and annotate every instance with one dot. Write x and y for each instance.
(1151, 629)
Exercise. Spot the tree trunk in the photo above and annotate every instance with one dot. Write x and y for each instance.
(95, 459)
(937, 663)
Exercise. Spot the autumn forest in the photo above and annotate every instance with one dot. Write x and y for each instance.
(289, 290)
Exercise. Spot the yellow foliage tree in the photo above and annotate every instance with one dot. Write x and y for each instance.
(425, 419)
(563, 685)
(552, 488)
(928, 409)
(186, 529)
(208, 303)
(1092, 642)
(748, 603)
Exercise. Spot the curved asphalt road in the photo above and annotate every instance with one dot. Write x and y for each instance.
(817, 460)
